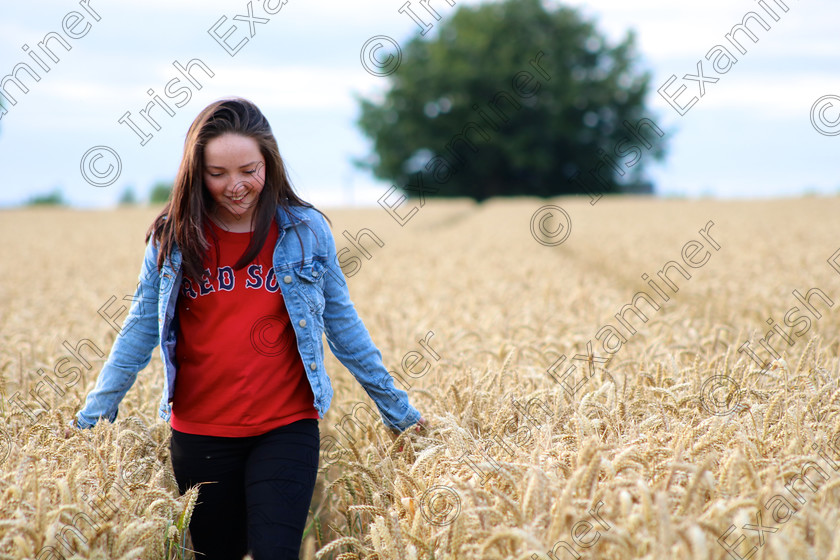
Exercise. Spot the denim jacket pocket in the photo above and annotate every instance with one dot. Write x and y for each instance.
(311, 286)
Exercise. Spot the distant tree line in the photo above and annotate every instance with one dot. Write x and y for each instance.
(158, 195)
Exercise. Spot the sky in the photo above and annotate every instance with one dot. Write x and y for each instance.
(768, 127)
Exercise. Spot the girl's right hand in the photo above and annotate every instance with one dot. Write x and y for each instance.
(70, 428)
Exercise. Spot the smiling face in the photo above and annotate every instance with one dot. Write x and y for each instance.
(234, 174)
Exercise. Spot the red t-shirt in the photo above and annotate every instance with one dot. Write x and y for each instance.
(239, 370)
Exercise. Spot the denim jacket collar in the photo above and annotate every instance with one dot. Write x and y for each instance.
(284, 218)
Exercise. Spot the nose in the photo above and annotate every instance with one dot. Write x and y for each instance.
(241, 187)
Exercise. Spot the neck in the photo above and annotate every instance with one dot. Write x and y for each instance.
(240, 226)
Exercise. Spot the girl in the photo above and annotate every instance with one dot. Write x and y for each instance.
(242, 277)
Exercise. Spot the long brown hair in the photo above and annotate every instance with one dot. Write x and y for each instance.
(182, 221)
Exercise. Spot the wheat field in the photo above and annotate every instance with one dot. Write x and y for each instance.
(664, 441)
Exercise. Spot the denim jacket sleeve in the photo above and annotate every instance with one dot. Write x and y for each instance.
(132, 349)
(351, 343)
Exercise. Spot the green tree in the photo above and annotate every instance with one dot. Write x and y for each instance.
(160, 192)
(128, 197)
(55, 198)
(450, 120)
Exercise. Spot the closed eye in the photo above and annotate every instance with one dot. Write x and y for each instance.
(250, 172)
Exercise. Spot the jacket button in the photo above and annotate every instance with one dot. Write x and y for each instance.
(313, 365)
(302, 322)
(287, 279)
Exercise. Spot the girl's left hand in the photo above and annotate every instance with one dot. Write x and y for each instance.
(419, 428)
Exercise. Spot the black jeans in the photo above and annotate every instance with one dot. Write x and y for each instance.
(260, 493)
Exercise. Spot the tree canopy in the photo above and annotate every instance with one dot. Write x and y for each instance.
(128, 197)
(53, 198)
(510, 98)
(160, 192)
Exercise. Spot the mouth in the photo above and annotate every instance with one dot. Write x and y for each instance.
(236, 199)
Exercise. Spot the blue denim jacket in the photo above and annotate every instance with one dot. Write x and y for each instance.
(316, 297)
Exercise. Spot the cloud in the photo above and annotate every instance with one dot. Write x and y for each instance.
(670, 30)
(760, 94)
(295, 87)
